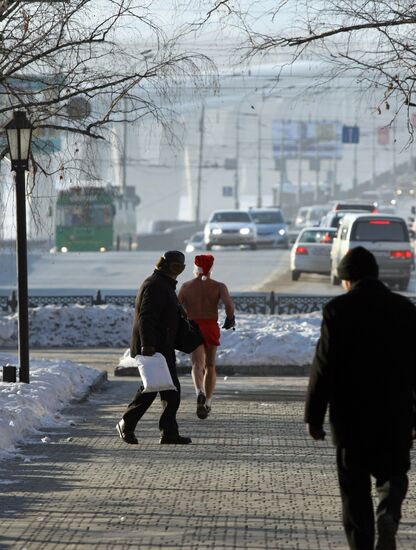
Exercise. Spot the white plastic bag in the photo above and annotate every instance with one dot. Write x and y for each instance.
(154, 373)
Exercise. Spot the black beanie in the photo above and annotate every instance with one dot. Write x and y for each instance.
(358, 263)
(169, 257)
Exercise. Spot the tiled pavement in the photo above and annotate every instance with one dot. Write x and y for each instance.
(250, 480)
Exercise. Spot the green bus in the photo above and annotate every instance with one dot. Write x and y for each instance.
(85, 219)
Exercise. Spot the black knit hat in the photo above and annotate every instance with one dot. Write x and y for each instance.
(170, 257)
(174, 256)
(358, 263)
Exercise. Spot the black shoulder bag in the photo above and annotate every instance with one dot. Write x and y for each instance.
(189, 335)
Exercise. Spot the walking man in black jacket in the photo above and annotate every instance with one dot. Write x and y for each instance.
(154, 330)
(364, 370)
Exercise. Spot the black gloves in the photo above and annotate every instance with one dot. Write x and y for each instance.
(229, 323)
(148, 350)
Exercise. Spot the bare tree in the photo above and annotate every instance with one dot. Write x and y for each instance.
(375, 39)
(83, 65)
(80, 67)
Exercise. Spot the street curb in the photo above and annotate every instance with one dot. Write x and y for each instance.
(234, 370)
(99, 381)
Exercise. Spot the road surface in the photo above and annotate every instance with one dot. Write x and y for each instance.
(241, 270)
(122, 272)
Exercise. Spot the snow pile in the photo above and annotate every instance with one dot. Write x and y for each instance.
(263, 340)
(25, 408)
(257, 340)
(72, 326)
(271, 340)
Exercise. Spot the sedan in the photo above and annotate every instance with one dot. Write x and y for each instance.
(230, 227)
(311, 252)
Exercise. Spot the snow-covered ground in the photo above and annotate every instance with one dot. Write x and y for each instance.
(26, 408)
(257, 340)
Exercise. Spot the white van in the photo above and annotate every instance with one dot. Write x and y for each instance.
(385, 236)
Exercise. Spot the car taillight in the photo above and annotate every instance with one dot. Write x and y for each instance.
(301, 250)
(403, 254)
(380, 222)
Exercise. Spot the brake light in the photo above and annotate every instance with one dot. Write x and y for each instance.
(380, 222)
(327, 238)
(403, 254)
(301, 250)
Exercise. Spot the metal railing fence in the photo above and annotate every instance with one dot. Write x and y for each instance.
(265, 303)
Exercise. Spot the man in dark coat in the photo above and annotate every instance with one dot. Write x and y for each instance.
(364, 369)
(154, 330)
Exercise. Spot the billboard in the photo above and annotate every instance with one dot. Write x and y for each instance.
(44, 140)
(312, 139)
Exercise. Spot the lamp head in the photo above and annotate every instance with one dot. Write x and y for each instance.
(19, 138)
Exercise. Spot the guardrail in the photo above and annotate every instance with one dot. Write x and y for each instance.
(265, 303)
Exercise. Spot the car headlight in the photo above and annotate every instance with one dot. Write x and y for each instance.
(245, 231)
(217, 231)
(189, 248)
(282, 232)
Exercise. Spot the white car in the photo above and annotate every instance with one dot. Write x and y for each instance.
(311, 252)
(230, 227)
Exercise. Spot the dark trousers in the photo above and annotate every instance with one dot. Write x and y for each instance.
(170, 403)
(355, 468)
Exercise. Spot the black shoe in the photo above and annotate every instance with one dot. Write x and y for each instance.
(175, 440)
(387, 528)
(127, 437)
(201, 409)
(208, 408)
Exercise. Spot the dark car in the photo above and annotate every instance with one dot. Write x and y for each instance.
(355, 206)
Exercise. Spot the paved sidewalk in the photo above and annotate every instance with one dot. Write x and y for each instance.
(251, 479)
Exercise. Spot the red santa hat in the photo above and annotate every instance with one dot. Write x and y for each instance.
(204, 263)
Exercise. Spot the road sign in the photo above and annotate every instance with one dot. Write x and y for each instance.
(383, 135)
(350, 134)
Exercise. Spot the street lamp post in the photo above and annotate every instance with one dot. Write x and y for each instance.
(19, 137)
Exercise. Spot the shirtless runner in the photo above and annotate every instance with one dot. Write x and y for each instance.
(200, 298)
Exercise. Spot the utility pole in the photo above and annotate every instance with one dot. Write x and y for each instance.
(201, 151)
(259, 166)
(355, 161)
(317, 168)
(394, 154)
(124, 157)
(282, 162)
(237, 163)
(373, 155)
(299, 190)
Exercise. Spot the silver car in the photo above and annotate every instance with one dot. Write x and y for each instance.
(386, 236)
(230, 227)
(271, 227)
(311, 252)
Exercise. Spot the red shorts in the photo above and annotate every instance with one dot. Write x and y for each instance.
(210, 331)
